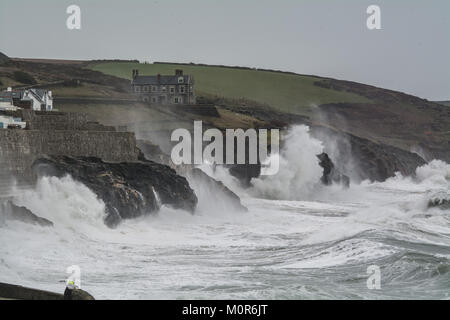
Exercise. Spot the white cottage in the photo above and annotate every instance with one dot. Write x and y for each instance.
(35, 99)
(40, 99)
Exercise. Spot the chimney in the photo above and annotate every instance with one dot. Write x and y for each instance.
(178, 72)
(9, 89)
(159, 77)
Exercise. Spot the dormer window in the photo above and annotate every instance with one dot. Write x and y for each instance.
(180, 79)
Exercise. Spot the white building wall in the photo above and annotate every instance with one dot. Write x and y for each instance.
(6, 120)
(35, 103)
(7, 106)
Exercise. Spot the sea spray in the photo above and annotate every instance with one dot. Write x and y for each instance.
(63, 201)
(299, 171)
(279, 249)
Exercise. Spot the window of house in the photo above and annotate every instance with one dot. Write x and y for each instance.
(153, 88)
(180, 79)
(172, 89)
(137, 89)
(182, 89)
(177, 100)
(145, 89)
(153, 99)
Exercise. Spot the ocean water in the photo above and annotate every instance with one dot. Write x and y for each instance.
(299, 240)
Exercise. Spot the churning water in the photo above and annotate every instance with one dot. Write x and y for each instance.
(299, 240)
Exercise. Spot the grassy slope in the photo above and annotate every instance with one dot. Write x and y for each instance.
(286, 92)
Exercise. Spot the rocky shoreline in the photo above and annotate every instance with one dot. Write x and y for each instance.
(15, 292)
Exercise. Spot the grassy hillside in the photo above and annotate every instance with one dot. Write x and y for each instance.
(244, 98)
(286, 92)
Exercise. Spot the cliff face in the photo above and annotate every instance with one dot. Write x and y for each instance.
(371, 160)
(128, 190)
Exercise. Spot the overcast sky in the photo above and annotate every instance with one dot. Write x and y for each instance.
(411, 52)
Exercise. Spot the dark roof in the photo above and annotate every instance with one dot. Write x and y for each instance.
(164, 80)
(40, 93)
(18, 94)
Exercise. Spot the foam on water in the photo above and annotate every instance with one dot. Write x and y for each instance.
(306, 241)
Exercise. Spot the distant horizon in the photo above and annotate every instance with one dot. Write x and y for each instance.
(225, 66)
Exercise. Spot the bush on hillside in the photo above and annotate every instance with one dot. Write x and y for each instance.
(24, 77)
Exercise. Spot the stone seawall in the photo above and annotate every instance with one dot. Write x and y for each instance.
(20, 148)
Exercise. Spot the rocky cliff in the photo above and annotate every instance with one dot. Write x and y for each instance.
(128, 190)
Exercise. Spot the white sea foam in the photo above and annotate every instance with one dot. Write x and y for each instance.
(269, 252)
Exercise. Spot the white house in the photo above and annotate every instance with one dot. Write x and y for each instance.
(38, 99)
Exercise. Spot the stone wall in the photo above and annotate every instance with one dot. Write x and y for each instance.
(42, 120)
(62, 134)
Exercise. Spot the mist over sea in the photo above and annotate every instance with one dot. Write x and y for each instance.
(298, 240)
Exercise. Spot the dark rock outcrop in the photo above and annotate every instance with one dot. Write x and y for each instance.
(217, 191)
(374, 161)
(128, 190)
(330, 173)
(11, 291)
(379, 161)
(13, 212)
(245, 172)
(440, 200)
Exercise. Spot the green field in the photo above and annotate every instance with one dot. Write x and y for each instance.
(285, 92)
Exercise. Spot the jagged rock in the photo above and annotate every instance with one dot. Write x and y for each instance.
(11, 291)
(440, 200)
(218, 191)
(128, 190)
(23, 214)
(374, 161)
(330, 173)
